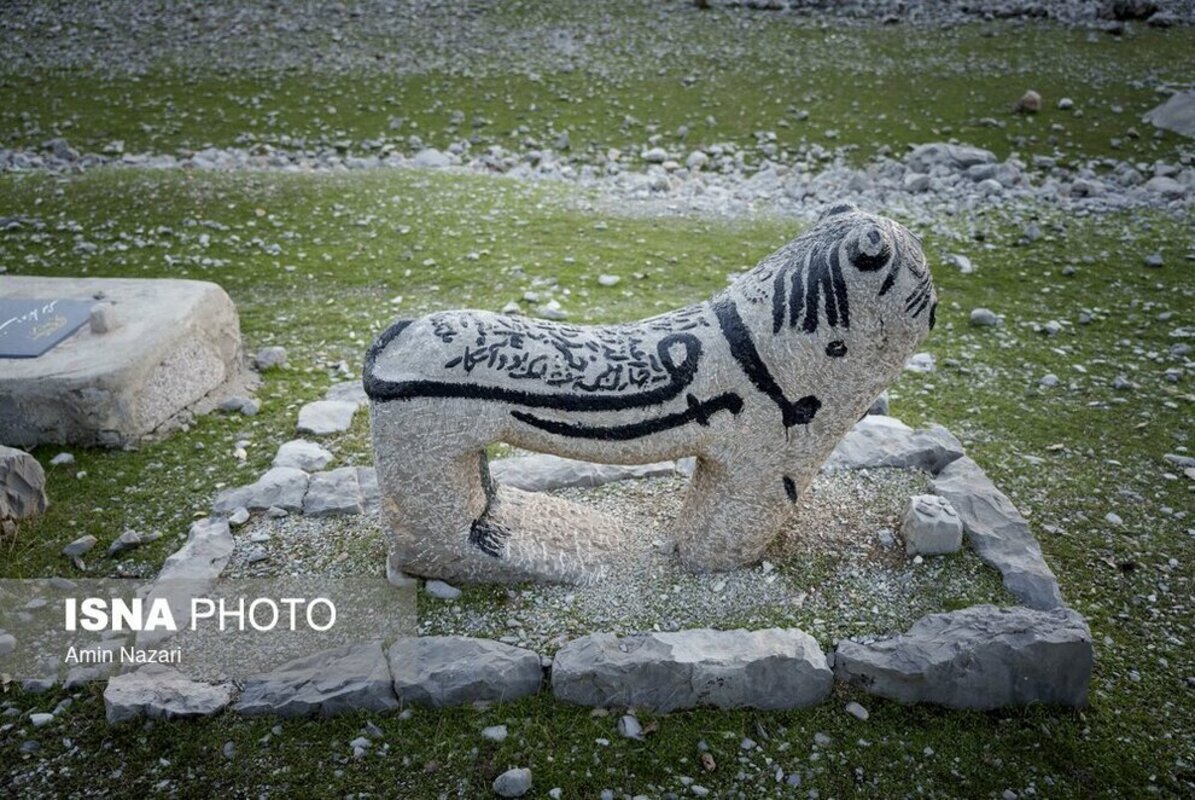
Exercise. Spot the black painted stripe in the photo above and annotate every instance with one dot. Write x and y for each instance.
(680, 374)
(743, 349)
(790, 489)
(698, 412)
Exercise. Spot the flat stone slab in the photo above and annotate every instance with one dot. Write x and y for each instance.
(879, 441)
(302, 454)
(773, 668)
(441, 671)
(167, 344)
(188, 573)
(1176, 114)
(981, 657)
(284, 487)
(326, 416)
(336, 491)
(998, 533)
(344, 679)
(160, 692)
(541, 472)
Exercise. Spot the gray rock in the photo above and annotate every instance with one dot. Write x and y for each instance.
(80, 546)
(1167, 187)
(62, 459)
(541, 472)
(655, 155)
(857, 711)
(22, 485)
(981, 657)
(160, 692)
(270, 357)
(431, 158)
(179, 342)
(302, 454)
(921, 362)
(961, 263)
(878, 408)
(1048, 381)
(189, 572)
(513, 783)
(348, 392)
(954, 157)
(1154, 260)
(354, 677)
(441, 590)
(40, 719)
(878, 441)
(283, 487)
(326, 416)
(8, 643)
(984, 318)
(915, 182)
(334, 492)
(238, 517)
(126, 541)
(629, 727)
(441, 671)
(367, 479)
(930, 526)
(767, 669)
(1176, 114)
(998, 533)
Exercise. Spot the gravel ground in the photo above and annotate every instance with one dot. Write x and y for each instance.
(842, 537)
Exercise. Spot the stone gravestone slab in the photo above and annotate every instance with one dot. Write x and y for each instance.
(30, 327)
(153, 349)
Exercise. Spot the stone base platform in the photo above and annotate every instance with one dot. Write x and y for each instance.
(154, 349)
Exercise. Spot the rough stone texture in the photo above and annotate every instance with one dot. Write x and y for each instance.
(22, 485)
(980, 657)
(878, 441)
(1176, 114)
(350, 678)
(953, 157)
(334, 492)
(348, 392)
(513, 783)
(767, 669)
(441, 671)
(756, 383)
(179, 341)
(931, 526)
(302, 454)
(283, 487)
(998, 532)
(326, 416)
(189, 572)
(540, 472)
(160, 692)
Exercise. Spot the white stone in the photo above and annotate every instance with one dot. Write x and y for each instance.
(513, 783)
(441, 590)
(494, 733)
(881, 441)
(930, 526)
(302, 454)
(326, 416)
(279, 487)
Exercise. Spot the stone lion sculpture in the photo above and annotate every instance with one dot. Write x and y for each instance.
(759, 383)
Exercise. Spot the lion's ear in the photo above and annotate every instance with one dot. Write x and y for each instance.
(844, 207)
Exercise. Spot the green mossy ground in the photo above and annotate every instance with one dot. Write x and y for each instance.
(358, 241)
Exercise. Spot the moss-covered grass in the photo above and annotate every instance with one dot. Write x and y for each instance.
(862, 87)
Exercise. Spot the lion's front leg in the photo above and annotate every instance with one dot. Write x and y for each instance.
(732, 509)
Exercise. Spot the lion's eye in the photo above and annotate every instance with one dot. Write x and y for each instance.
(836, 349)
(871, 253)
